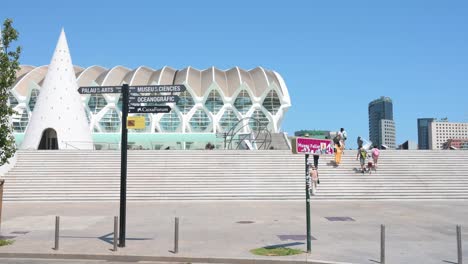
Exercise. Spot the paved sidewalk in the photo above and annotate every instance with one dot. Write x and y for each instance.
(417, 231)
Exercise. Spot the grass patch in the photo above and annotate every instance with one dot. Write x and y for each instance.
(4, 242)
(277, 251)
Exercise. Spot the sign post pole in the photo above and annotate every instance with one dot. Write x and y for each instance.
(123, 166)
(135, 101)
(308, 185)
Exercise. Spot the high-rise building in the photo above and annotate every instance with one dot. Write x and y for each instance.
(381, 124)
(441, 131)
(423, 132)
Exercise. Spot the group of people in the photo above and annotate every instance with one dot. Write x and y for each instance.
(363, 154)
(339, 142)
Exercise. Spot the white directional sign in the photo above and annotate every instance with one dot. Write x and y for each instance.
(149, 109)
(157, 89)
(153, 99)
(99, 89)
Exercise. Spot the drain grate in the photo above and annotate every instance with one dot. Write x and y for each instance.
(294, 237)
(19, 232)
(245, 222)
(340, 218)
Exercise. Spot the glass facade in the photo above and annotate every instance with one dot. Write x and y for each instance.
(423, 132)
(258, 121)
(96, 103)
(214, 102)
(186, 102)
(272, 102)
(243, 102)
(200, 121)
(110, 122)
(21, 120)
(228, 120)
(380, 109)
(33, 99)
(13, 100)
(170, 122)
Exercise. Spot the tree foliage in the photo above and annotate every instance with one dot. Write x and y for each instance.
(311, 133)
(9, 65)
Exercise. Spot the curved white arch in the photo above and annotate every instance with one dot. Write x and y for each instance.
(141, 76)
(78, 70)
(233, 80)
(89, 75)
(283, 88)
(115, 76)
(24, 69)
(219, 77)
(194, 81)
(167, 75)
(206, 79)
(260, 80)
(36, 75)
(181, 76)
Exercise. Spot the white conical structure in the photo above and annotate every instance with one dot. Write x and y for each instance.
(59, 107)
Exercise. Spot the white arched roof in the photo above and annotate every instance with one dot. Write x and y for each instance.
(86, 77)
(141, 76)
(258, 80)
(36, 75)
(115, 76)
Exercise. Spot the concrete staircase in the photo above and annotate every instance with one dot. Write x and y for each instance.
(156, 175)
(232, 175)
(278, 141)
(401, 174)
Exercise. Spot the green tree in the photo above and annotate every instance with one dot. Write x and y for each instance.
(9, 65)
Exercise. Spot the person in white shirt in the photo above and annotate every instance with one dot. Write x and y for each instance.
(343, 137)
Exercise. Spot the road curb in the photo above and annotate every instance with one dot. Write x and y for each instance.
(161, 258)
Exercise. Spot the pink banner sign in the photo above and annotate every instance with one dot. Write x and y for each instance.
(312, 146)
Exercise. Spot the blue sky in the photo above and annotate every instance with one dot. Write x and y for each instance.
(335, 56)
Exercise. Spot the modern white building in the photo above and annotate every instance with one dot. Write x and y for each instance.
(440, 131)
(387, 132)
(215, 100)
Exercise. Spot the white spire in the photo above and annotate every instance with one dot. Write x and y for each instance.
(59, 105)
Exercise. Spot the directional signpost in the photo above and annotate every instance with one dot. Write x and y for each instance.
(99, 89)
(149, 109)
(131, 103)
(157, 89)
(132, 99)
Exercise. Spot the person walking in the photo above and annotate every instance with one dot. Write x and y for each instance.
(359, 142)
(375, 156)
(314, 178)
(362, 155)
(316, 158)
(343, 137)
(338, 153)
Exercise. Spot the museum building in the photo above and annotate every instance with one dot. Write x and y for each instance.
(214, 102)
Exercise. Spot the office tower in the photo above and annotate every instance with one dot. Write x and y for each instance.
(423, 132)
(381, 124)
